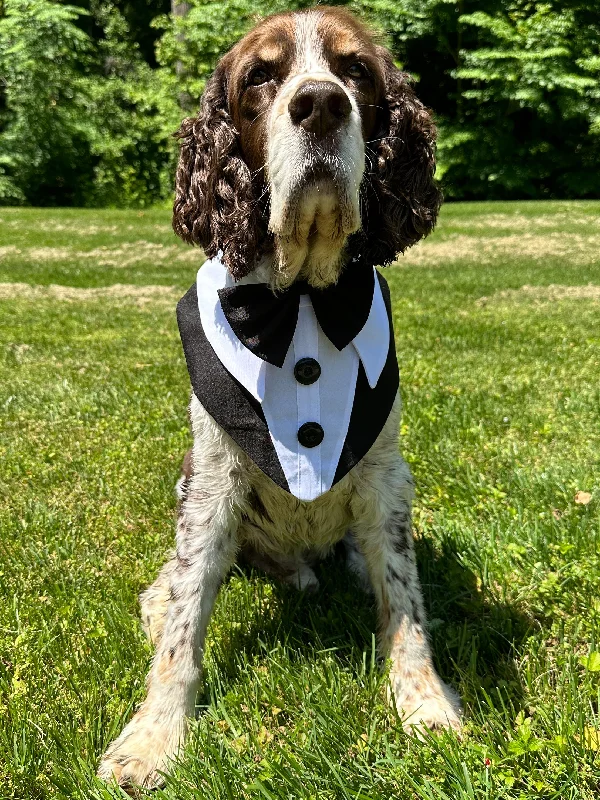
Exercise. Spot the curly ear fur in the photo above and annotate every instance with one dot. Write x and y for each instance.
(215, 204)
(400, 198)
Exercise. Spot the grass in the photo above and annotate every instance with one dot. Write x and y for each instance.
(501, 429)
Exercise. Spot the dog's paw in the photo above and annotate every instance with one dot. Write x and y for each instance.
(303, 579)
(141, 754)
(433, 707)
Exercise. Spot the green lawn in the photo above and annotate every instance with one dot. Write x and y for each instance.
(498, 332)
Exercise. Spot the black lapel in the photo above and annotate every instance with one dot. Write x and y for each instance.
(371, 406)
(227, 401)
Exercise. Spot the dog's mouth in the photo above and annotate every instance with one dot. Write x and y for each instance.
(315, 172)
(317, 201)
(314, 208)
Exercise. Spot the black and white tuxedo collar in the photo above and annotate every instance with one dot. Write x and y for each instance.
(265, 320)
(305, 412)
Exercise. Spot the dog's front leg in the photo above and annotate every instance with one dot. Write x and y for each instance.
(383, 531)
(206, 545)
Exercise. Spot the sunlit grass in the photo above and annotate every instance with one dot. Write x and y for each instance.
(501, 428)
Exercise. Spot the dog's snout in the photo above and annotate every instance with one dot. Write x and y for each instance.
(319, 107)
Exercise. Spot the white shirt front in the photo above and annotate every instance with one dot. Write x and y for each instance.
(286, 403)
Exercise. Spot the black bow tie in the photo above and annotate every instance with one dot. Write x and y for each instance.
(265, 321)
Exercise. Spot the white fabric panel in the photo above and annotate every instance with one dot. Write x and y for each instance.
(245, 367)
(373, 341)
(286, 403)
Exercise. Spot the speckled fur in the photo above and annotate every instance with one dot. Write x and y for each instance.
(230, 505)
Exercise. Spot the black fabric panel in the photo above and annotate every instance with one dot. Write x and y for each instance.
(227, 401)
(263, 321)
(371, 406)
(343, 309)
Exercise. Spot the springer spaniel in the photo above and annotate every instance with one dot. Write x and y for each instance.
(310, 161)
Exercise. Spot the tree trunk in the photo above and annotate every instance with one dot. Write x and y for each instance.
(181, 9)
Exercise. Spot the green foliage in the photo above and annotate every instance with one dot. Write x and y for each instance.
(531, 92)
(88, 108)
(515, 86)
(43, 154)
(134, 110)
(85, 123)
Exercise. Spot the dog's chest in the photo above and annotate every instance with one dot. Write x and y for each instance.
(274, 521)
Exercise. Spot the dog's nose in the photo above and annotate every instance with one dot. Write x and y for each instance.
(319, 107)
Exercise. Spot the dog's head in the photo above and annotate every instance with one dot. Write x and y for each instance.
(310, 145)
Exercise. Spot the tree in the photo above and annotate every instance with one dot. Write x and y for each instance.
(87, 109)
(514, 85)
(43, 152)
(530, 92)
(83, 124)
(133, 110)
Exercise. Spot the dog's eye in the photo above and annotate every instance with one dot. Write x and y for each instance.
(258, 76)
(356, 71)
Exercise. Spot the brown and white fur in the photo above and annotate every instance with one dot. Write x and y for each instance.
(310, 148)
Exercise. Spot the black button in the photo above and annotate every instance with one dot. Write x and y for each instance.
(307, 371)
(310, 434)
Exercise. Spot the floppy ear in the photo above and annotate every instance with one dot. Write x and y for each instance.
(215, 204)
(401, 199)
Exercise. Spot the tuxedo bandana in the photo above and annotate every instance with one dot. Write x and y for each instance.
(302, 380)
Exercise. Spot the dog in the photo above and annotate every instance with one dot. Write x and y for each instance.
(310, 154)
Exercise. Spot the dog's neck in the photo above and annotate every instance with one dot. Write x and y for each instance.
(317, 271)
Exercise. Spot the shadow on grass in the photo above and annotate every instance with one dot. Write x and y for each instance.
(475, 638)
